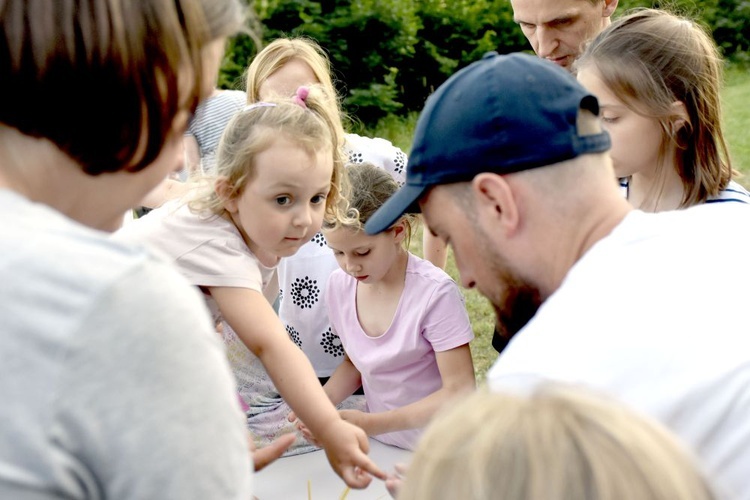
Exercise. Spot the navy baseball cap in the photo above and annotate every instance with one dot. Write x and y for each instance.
(502, 114)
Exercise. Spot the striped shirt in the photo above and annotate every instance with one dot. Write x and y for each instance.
(734, 192)
(210, 119)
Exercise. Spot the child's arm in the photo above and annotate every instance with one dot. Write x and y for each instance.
(457, 374)
(254, 321)
(345, 380)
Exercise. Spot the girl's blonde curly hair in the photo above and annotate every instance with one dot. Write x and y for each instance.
(312, 123)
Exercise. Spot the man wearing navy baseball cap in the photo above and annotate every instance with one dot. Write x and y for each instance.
(509, 165)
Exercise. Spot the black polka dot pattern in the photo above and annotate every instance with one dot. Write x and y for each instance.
(305, 292)
(294, 335)
(355, 157)
(332, 344)
(319, 240)
(400, 161)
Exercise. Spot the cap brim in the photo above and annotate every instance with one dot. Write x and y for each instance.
(405, 200)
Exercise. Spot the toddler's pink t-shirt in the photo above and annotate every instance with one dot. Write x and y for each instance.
(399, 366)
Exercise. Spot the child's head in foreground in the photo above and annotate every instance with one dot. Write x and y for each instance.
(279, 169)
(558, 443)
(658, 78)
(150, 58)
(368, 258)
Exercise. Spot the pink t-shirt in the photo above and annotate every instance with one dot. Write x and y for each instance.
(207, 249)
(399, 367)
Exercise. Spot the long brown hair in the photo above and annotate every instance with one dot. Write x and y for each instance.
(651, 59)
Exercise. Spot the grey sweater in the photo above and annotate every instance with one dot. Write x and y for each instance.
(113, 382)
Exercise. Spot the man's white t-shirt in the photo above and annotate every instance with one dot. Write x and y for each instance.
(656, 314)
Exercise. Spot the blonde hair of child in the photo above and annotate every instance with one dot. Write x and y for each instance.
(281, 51)
(650, 59)
(251, 131)
(369, 187)
(557, 443)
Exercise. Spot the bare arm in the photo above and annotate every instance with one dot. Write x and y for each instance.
(457, 374)
(253, 319)
(345, 380)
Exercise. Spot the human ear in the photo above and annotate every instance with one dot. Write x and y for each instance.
(679, 116)
(399, 231)
(496, 202)
(609, 8)
(226, 194)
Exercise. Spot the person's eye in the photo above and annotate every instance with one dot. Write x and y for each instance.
(318, 199)
(283, 200)
(526, 26)
(559, 23)
(362, 254)
(610, 119)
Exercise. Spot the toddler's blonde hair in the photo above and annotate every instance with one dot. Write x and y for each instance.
(314, 126)
(558, 443)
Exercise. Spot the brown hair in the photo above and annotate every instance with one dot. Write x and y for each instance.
(556, 443)
(369, 187)
(650, 59)
(144, 56)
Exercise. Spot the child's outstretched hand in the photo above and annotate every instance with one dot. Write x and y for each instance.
(346, 447)
(302, 428)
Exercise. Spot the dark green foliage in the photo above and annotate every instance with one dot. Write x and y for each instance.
(389, 55)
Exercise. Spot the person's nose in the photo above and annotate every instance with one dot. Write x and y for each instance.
(303, 216)
(352, 266)
(546, 41)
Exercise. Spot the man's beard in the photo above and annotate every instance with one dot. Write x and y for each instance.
(515, 307)
(518, 301)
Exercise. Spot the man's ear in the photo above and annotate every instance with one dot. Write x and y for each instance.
(609, 8)
(495, 201)
(226, 195)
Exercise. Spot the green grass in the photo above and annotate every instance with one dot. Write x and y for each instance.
(735, 98)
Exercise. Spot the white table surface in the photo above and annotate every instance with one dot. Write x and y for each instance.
(286, 478)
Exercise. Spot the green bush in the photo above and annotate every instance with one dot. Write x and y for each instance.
(390, 55)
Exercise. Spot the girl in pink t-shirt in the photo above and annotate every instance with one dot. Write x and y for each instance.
(401, 320)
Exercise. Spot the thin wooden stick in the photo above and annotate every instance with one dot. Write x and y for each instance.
(345, 493)
(309, 490)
